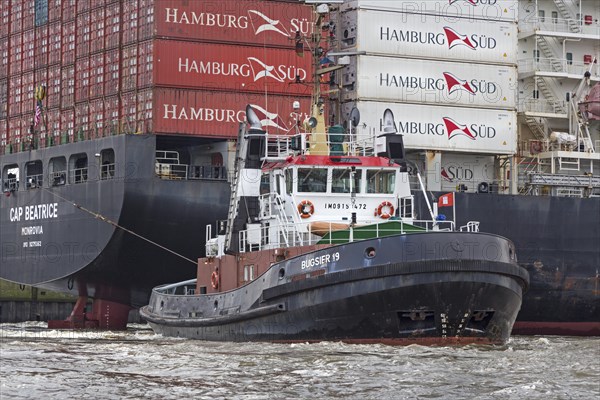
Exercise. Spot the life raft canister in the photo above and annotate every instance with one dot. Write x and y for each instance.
(214, 280)
(306, 208)
(381, 210)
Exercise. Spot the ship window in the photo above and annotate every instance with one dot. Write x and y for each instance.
(542, 15)
(10, 178)
(312, 180)
(265, 187)
(34, 174)
(342, 182)
(381, 181)
(107, 164)
(536, 55)
(555, 17)
(249, 272)
(57, 171)
(569, 58)
(78, 168)
(536, 94)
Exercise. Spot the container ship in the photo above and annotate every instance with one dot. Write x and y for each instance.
(495, 100)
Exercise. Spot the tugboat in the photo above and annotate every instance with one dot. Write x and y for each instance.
(321, 244)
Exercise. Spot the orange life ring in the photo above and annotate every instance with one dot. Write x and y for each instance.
(384, 214)
(214, 280)
(306, 208)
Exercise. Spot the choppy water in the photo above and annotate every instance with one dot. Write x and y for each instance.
(38, 363)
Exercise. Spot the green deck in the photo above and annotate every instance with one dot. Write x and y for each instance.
(370, 232)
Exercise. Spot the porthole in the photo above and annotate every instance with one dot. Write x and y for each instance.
(281, 273)
(370, 252)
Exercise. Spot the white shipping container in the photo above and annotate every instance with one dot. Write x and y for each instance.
(467, 170)
(429, 36)
(495, 10)
(423, 81)
(440, 128)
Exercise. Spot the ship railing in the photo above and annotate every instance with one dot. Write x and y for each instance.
(305, 234)
(542, 106)
(471, 226)
(216, 172)
(279, 147)
(564, 65)
(185, 288)
(78, 175)
(34, 181)
(58, 178)
(558, 25)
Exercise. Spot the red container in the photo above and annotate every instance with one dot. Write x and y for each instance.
(83, 33)
(82, 79)
(69, 10)
(67, 122)
(111, 72)
(145, 64)
(41, 48)
(16, 53)
(112, 26)
(16, 17)
(53, 125)
(28, 13)
(128, 110)
(55, 43)
(82, 117)
(97, 75)
(97, 30)
(54, 10)
(145, 19)
(28, 50)
(144, 118)
(96, 118)
(224, 67)
(208, 113)
(5, 17)
(129, 67)
(111, 115)
(83, 6)
(67, 75)
(97, 3)
(130, 22)
(28, 92)
(53, 87)
(15, 95)
(4, 57)
(68, 42)
(14, 130)
(234, 21)
(3, 99)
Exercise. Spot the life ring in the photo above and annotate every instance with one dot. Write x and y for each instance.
(214, 280)
(385, 214)
(306, 208)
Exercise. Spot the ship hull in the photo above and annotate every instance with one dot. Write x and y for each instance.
(110, 239)
(557, 242)
(403, 297)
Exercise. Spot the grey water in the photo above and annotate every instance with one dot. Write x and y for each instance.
(37, 363)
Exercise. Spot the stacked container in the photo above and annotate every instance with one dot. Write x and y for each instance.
(447, 70)
(166, 67)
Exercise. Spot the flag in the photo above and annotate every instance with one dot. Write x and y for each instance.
(38, 113)
(446, 200)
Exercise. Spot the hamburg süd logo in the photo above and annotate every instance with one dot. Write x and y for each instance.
(264, 23)
(268, 118)
(456, 129)
(456, 39)
(453, 84)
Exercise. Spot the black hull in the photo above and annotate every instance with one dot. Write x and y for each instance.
(423, 297)
(83, 254)
(557, 241)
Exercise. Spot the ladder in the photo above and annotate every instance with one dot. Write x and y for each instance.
(239, 164)
(564, 11)
(549, 54)
(558, 107)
